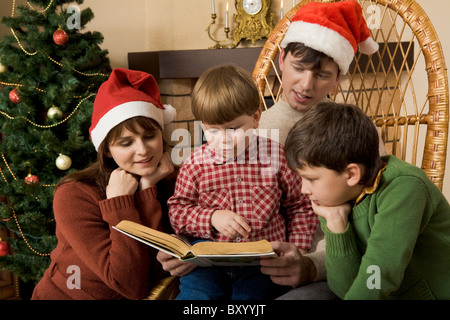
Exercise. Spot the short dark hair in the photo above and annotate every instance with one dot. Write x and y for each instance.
(307, 55)
(333, 135)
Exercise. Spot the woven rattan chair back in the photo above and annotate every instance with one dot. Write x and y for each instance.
(403, 87)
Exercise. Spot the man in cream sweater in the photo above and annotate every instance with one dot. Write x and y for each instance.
(315, 52)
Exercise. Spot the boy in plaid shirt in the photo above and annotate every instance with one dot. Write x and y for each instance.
(236, 187)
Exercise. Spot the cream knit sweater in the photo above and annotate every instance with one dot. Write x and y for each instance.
(282, 117)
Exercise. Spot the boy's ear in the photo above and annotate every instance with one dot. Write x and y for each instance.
(256, 118)
(354, 173)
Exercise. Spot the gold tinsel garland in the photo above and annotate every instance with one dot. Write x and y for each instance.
(14, 215)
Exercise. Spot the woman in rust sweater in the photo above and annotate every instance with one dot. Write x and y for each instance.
(129, 181)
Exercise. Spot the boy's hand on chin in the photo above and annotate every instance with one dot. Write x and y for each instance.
(336, 216)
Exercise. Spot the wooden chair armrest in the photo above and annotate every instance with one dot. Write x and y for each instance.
(164, 289)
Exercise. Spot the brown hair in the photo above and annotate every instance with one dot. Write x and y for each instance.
(333, 135)
(308, 56)
(224, 93)
(97, 174)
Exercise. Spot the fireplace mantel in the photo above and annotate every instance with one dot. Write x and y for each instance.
(190, 64)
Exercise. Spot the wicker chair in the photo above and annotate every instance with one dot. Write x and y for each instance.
(411, 112)
(413, 118)
(165, 289)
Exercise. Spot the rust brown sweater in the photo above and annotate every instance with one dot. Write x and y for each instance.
(111, 265)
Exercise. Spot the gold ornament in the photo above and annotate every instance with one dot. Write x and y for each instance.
(3, 68)
(54, 113)
(63, 162)
(254, 20)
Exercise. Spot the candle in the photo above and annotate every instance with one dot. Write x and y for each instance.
(212, 7)
(281, 13)
(293, 3)
(226, 17)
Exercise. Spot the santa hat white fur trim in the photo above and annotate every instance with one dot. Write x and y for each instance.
(169, 114)
(126, 111)
(368, 46)
(322, 39)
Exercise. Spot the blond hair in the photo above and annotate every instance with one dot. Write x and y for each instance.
(224, 93)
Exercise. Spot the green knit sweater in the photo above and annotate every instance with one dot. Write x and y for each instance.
(397, 242)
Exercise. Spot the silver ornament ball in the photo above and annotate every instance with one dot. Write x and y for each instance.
(63, 162)
(54, 113)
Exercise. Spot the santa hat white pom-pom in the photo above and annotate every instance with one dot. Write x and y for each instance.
(368, 46)
(169, 113)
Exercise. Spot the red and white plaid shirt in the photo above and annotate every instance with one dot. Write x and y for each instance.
(258, 186)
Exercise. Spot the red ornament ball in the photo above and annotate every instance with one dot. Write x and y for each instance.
(14, 96)
(4, 248)
(60, 37)
(31, 178)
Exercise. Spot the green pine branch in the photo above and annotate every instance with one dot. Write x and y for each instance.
(66, 77)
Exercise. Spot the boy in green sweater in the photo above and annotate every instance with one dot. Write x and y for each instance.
(387, 226)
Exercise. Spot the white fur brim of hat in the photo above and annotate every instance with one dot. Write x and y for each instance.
(327, 41)
(129, 110)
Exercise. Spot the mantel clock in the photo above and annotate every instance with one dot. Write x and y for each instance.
(253, 20)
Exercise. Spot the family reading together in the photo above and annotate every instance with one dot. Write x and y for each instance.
(331, 205)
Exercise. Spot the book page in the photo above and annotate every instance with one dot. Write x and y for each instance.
(159, 239)
(231, 248)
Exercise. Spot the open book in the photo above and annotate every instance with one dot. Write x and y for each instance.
(205, 253)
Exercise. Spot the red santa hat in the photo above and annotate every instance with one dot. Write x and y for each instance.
(337, 29)
(127, 94)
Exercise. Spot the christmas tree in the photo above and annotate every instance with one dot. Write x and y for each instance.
(50, 70)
